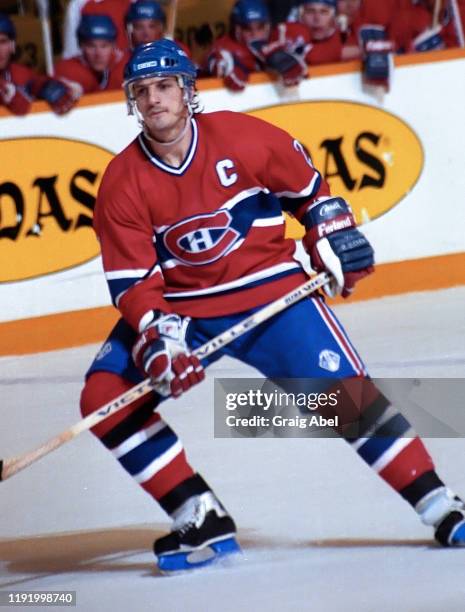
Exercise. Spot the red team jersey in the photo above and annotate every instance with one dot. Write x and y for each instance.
(296, 38)
(76, 70)
(205, 239)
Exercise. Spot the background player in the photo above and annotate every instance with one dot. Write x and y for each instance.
(100, 66)
(145, 22)
(20, 85)
(253, 45)
(189, 217)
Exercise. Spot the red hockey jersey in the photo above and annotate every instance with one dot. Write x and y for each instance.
(205, 239)
(76, 70)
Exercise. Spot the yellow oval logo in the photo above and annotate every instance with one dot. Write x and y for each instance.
(368, 156)
(48, 188)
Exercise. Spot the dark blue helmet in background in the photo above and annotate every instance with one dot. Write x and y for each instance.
(96, 27)
(7, 27)
(246, 11)
(145, 9)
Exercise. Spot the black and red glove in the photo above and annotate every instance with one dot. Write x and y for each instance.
(377, 53)
(336, 246)
(58, 95)
(162, 353)
(274, 56)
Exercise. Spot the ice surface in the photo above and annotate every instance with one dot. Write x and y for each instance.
(319, 530)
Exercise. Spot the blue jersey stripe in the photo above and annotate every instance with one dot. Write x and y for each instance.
(258, 206)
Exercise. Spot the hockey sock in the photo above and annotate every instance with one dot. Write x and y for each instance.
(385, 440)
(143, 443)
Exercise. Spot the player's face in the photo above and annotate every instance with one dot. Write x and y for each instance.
(350, 8)
(253, 31)
(145, 31)
(320, 18)
(6, 51)
(161, 104)
(97, 53)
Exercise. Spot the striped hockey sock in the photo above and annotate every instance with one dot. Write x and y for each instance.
(143, 443)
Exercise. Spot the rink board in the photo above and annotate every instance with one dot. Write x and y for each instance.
(402, 159)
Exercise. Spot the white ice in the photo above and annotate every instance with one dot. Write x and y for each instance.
(319, 530)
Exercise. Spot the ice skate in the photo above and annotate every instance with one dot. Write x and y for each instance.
(202, 534)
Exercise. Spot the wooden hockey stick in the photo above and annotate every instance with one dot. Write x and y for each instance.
(10, 467)
(436, 11)
(171, 18)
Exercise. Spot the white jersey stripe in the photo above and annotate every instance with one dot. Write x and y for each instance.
(117, 274)
(245, 280)
(268, 222)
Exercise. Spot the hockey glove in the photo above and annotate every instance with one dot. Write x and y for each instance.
(291, 67)
(377, 51)
(429, 40)
(223, 64)
(162, 353)
(58, 96)
(335, 245)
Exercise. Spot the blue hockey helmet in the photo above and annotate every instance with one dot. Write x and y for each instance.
(145, 9)
(246, 11)
(7, 26)
(92, 27)
(331, 3)
(160, 58)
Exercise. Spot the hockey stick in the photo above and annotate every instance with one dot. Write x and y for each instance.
(9, 467)
(457, 19)
(44, 15)
(171, 19)
(436, 11)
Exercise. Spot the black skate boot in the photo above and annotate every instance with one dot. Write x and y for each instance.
(202, 533)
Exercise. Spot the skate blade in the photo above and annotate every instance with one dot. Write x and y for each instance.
(213, 554)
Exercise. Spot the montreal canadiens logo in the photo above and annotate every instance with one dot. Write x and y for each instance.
(203, 239)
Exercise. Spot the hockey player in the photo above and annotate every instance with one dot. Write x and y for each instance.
(20, 85)
(414, 30)
(354, 15)
(319, 16)
(100, 66)
(145, 22)
(115, 9)
(252, 45)
(189, 217)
